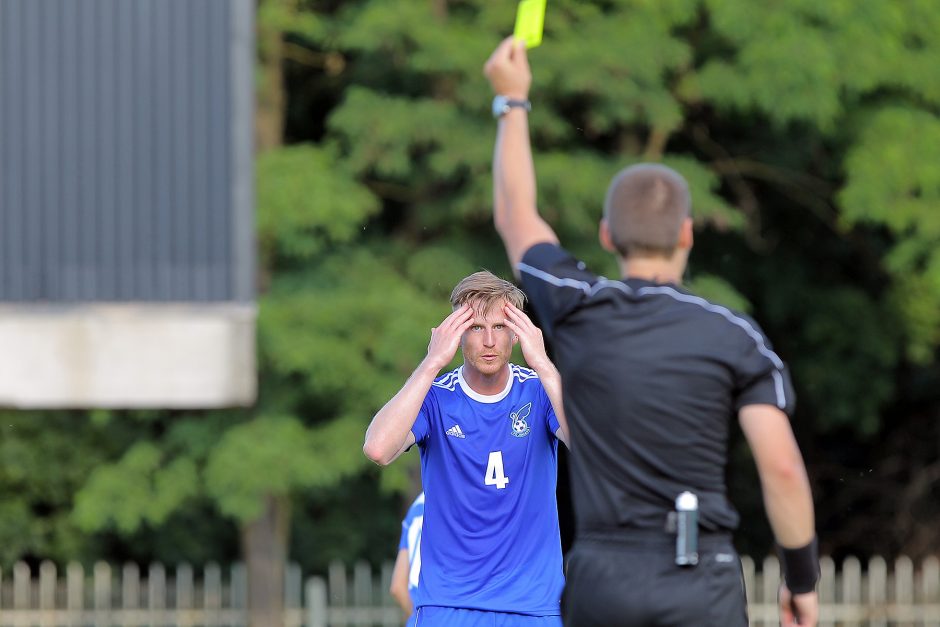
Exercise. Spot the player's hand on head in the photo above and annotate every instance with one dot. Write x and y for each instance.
(798, 609)
(445, 337)
(530, 337)
(508, 71)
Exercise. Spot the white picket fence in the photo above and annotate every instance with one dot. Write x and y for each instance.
(874, 596)
(104, 598)
(853, 597)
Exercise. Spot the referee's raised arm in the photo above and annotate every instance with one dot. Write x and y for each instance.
(515, 212)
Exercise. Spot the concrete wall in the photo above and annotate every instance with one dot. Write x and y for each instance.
(127, 252)
(126, 355)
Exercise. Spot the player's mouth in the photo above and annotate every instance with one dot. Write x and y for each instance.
(490, 357)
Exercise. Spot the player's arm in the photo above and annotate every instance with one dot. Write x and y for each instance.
(515, 212)
(552, 385)
(788, 500)
(389, 435)
(533, 349)
(399, 586)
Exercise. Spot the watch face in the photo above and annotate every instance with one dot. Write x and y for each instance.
(499, 106)
(502, 105)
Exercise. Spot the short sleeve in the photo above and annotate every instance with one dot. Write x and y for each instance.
(761, 377)
(551, 419)
(555, 281)
(403, 543)
(422, 426)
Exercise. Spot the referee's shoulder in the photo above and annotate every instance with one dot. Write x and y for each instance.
(719, 315)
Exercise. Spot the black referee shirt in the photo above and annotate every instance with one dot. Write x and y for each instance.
(653, 377)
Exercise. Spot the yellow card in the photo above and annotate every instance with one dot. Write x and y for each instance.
(530, 18)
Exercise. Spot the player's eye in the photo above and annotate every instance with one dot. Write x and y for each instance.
(476, 327)
(499, 327)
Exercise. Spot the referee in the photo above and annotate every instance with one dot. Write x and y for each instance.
(653, 377)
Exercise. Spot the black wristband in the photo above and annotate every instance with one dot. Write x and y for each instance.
(800, 567)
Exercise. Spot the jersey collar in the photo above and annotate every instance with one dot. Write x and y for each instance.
(483, 398)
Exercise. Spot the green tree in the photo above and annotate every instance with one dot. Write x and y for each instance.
(44, 458)
(807, 132)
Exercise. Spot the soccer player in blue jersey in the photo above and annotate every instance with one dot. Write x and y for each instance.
(408, 563)
(488, 436)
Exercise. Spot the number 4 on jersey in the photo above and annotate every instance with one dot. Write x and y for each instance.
(494, 471)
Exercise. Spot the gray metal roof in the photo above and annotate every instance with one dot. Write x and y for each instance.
(125, 150)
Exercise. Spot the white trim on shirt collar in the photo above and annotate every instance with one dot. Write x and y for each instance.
(483, 398)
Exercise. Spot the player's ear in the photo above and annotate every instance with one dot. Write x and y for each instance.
(515, 339)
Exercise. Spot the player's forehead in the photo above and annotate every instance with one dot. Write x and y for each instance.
(488, 310)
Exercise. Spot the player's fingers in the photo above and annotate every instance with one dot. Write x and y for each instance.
(465, 323)
(449, 323)
(517, 312)
(457, 314)
(463, 326)
(524, 334)
(459, 326)
(514, 316)
(468, 314)
(460, 315)
(518, 316)
(517, 328)
(513, 326)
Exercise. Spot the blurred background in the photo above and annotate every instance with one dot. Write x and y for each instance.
(193, 352)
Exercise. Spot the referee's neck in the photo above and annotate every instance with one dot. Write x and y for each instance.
(653, 269)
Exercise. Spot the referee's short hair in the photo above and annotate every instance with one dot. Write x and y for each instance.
(645, 207)
(484, 290)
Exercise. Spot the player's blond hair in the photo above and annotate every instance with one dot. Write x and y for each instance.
(483, 291)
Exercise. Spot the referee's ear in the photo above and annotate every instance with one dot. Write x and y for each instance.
(603, 234)
(686, 237)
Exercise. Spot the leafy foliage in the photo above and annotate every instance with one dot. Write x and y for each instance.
(139, 489)
(310, 203)
(893, 183)
(809, 134)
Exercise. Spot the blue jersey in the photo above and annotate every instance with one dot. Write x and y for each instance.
(411, 540)
(489, 467)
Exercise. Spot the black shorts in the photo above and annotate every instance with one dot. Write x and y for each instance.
(631, 580)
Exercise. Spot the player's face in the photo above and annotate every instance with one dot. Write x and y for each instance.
(487, 344)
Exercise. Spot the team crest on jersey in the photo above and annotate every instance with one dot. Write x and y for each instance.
(520, 428)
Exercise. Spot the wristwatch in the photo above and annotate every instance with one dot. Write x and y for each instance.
(502, 105)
